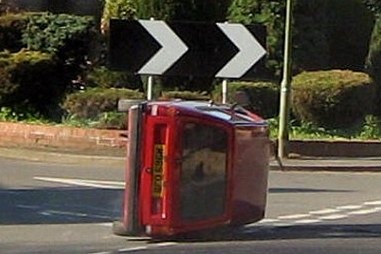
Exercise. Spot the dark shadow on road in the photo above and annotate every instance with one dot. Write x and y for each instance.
(267, 233)
(59, 205)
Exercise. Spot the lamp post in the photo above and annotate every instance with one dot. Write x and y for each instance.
(284, 109)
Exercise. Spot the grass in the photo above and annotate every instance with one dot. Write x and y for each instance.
(370, 129)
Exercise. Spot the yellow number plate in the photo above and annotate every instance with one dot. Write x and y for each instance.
(158, 170)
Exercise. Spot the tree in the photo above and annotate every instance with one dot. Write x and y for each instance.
(309, 48)
(373, 5)
(373, 63)
(185, 10)
(350, 27)
(121, 9)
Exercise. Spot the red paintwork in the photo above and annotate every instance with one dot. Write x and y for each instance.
(246, 171)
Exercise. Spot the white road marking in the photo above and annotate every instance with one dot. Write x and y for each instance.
(32, 207)
(133, 249)
(283, 224)
(350, 207)
(106, 224)
(377, 202)
(323, 211)
(307, 221)
(365, 211)
(317, 216)
(73, 214)
(333, 217)
(266, 221)
(166, 244)
(293, 216)
(84, 182)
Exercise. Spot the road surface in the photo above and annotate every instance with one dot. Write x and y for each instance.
(69, 207)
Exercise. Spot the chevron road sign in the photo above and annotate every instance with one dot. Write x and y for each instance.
(154, 47)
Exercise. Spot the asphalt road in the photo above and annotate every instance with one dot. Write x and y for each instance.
(68, 208)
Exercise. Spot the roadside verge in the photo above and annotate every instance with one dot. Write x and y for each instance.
(73, 145)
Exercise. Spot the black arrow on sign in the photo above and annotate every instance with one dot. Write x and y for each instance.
(130, 46)
(209, 50)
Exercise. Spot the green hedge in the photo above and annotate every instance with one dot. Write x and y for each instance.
(11, 29)
(332, 99)
(105, 78)
(263, 96)
(52, 32)
(33, 81)
(184, 95)
(89, 104)
(70, 38)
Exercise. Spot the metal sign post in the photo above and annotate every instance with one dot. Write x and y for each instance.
(284, 110)
(149, 87)
(224, 91)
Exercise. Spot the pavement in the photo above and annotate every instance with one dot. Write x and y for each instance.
(336, 164)
(296, 163)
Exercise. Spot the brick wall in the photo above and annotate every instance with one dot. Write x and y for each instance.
(70, 139)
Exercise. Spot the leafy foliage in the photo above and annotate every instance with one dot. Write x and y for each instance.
(310, 36)
(262, 97)
(270, 14)
(8, 7)
(184, 95)
(89, 104)
(374, 62)
(105, 78)
(11, 27)
(189, 10)
(68, 37)
(52, 33)
(120, 9)
(310, 49)
(350, 28)
(327, 34)
(373, 5)
(97, 107)
(32, 82)
(332, 99)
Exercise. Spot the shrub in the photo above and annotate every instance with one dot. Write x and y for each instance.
(332, 99)
(52, 32)
(6, 86)
(263, 96)
(91, 103)
(68, 37)
(190, 10)
(11, 27)
(105, 78)
(374, 63)
(121, 9)
(184, 95)
(33, 81)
